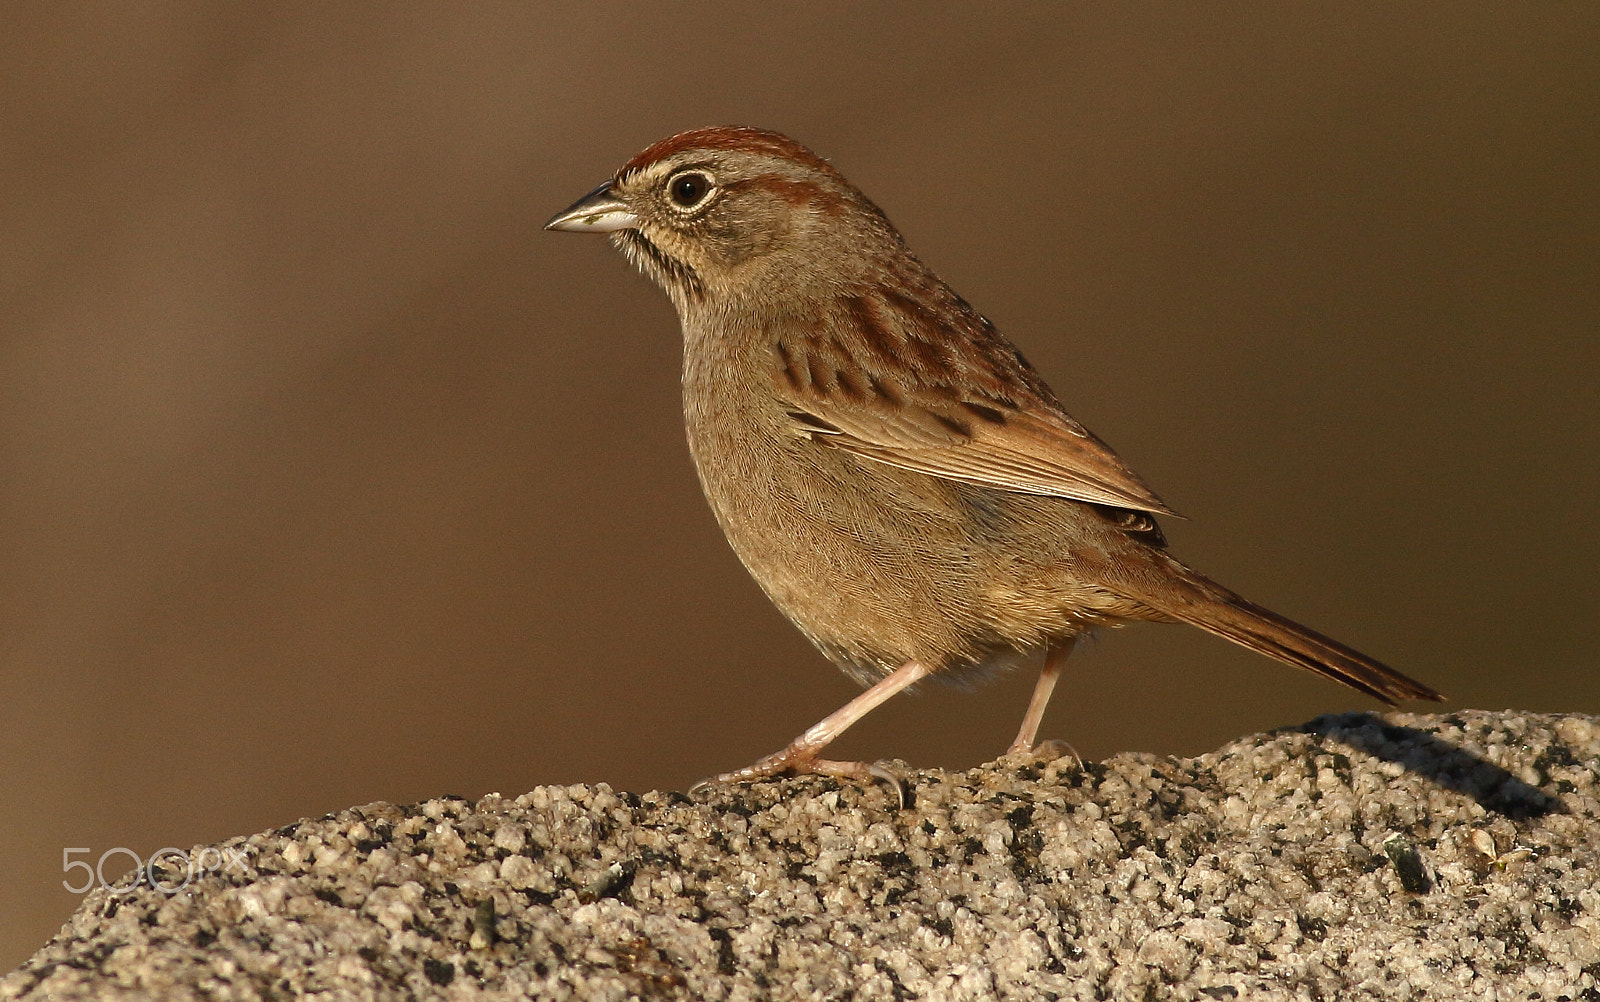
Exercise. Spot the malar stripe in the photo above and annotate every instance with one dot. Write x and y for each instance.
(672, 271)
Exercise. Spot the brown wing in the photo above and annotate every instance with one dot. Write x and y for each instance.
(929, 385)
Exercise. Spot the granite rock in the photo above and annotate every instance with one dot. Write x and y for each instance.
(1357, 857)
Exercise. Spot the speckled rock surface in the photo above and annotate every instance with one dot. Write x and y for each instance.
(1358, 857)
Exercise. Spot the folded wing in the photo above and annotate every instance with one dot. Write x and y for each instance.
(908, 394)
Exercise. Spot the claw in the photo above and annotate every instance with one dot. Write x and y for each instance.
(1045, 751)
(703, 787)
(896, 782)
(1056, 748)
(799, 765)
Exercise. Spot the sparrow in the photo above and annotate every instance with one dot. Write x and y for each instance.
(897, 478)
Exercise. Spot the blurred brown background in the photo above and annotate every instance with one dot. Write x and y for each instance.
(328, 477)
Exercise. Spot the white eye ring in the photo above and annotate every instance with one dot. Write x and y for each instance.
(689, 189)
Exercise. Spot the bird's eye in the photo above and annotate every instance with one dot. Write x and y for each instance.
(689, 190)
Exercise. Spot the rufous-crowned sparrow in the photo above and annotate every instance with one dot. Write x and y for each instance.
(893, 473)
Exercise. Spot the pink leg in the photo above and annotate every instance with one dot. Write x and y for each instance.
(801, 755)
(1041, 697)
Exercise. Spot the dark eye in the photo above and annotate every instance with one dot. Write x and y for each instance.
(689, 190)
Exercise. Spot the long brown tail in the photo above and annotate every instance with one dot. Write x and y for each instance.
(1190, 597)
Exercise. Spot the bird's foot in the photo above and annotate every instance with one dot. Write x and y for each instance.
(800, 760)
(1048, 750)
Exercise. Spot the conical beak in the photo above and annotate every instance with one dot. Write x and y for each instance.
(600, 211)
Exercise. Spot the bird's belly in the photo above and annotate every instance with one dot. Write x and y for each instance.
(879, 566)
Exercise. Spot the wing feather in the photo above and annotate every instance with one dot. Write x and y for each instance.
(930, 386)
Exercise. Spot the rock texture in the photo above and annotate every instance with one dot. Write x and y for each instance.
(1358, 857)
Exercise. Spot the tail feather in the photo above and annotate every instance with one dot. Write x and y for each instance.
(1194, 599)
